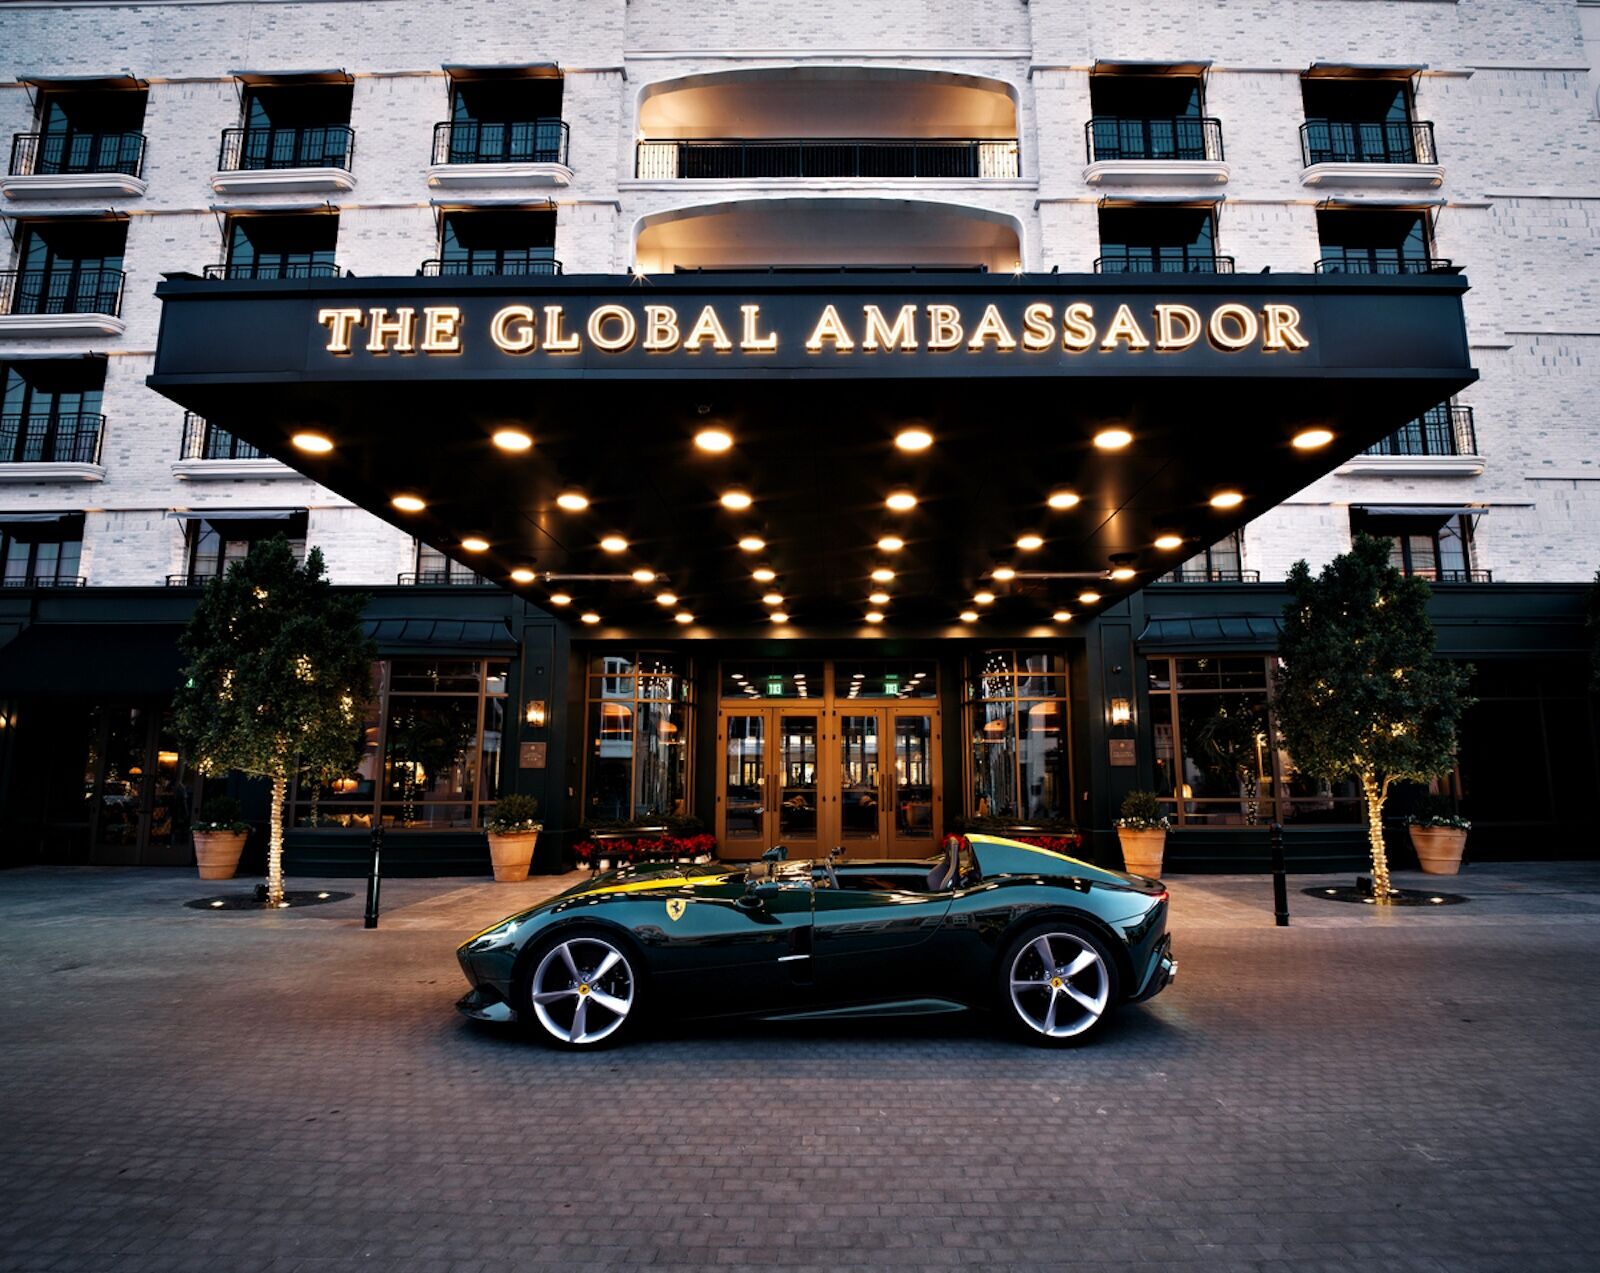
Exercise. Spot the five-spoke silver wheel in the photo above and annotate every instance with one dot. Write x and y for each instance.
(582, 990)
(1060, 984)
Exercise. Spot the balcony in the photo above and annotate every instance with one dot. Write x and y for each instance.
(1454, 576)
(64, 301)
(1154, 152)
(440, 579)
(477, 155)
(1394, 153)
(75, 165)
(51, 447)
(1163, 261)
(209, 453)
(1201, 575)
(272, 270)
(1442, 442)
(285, 160)
(827, 158)
(43, 581)
(1380, 261)
(508, 262)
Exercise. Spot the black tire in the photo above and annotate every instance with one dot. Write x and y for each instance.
(1082, 973)
(585, 975)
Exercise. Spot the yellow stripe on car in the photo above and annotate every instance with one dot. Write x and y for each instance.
(645, 886)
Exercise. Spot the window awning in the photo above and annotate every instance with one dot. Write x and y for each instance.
(503, 70)
(1120, 66)
(459, 636)
(1420, 510)
(115, 80)
(1209, 634)
(25, 519)
(100, 660)
(235, 514)
(1364, 70)
(256, 79)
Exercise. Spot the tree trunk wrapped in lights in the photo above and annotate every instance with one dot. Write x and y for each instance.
(1360, 690)
(278, 671)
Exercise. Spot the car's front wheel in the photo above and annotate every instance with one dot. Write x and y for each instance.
(583, 991)
(1058, 984)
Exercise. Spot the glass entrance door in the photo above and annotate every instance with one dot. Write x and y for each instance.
(859, 772)
(914, 798)
(769, 781)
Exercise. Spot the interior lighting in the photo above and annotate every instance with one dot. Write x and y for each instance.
(560, 599)
(772, 599)
(736, 500)
(752, 544)
(1061, 616)
(913, 439)
(1121, 711)
(572, 501)
(778, 616)
(891, 543)
(763, 574)
(315, 443)
(882, 575)
(683, 616)
(409, 503)
(642, 575)
(1168, 542)
(901, 501)
(1088, 598)
(589, 616)
(1227, 499)
(666, 598)
(1112, 439)
(984, 598)
(1030, 542)
(874, 616)
(522, 575)
(1004, 573)
(879, 598)
(714, 440)
(512, 440)
(1311, 439)
(969, 616)
(1123, 573)
(614, 544)
(1063, 499)
(475, 544)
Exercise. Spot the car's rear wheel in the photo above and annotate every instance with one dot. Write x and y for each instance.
(583, 991)
(1058, 984)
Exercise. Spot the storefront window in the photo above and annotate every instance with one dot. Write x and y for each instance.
(1017, 723)
(639, 714)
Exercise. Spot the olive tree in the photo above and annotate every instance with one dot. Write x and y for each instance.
(1360, 690)
(278, 671)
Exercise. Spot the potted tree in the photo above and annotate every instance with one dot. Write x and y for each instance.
(1439, 835)
(1142, 829)
(219, 837)
(1360, 691)
(513, 832)
(277, 671)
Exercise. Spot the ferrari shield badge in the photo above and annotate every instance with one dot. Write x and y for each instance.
(676, 907)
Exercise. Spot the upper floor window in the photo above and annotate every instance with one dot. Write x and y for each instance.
(71, 266)
(1447, 429)
(281, 246)
(85, 130)
(1431, 544)
(1144, 116)
(1374, 241)
(291, 125)
(50, 411)
(41, 554)
(213, 543)
(496, 243)
(510, 117)
(433, 567)
(1222, 562)
(1159, 240)
(1352, 118)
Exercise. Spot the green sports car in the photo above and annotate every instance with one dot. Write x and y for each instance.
(1049, 943)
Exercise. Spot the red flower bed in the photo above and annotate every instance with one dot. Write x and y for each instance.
(645, 849)
(1068, 844)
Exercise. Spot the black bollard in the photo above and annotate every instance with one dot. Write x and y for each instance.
(1280, 879)
(371, 920)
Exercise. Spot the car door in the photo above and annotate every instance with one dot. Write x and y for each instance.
(869, 943)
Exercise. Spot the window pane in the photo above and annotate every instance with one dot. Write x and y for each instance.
(432, 753)
(661, 768)
(1160, 674)
(876, 678)
(1202, 673)
(1043, 759)
(494, 727)
(610, 786)
(994, 760)
(434, 675)
(763, 679)
(1224, 745)
(1166, 769)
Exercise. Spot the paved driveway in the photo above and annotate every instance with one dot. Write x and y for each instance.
(235, 1092)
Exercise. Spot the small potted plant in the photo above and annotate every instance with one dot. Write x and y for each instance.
(1439, 835)
(1142, 829)
(219, 837)
(513, 831)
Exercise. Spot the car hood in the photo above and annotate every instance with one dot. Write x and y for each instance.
(999, 856)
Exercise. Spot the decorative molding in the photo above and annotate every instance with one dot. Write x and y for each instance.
(56, 326)
(221, 470)
(497, 176)
(1413, 465)
(73, 185)
(283, 181)
(1400, 175)
(1157, 172)
(41, 471)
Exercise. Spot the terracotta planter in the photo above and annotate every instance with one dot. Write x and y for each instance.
(216, 853)
(511, 855)
(1142, 851)
(1439, 849)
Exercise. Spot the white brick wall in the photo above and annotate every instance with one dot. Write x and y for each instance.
(1507, 84)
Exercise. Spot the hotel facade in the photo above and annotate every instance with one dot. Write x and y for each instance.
(835, 423)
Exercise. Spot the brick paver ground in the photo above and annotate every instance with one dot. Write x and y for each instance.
(243, 1093)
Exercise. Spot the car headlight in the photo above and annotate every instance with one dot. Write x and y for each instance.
(489, 938)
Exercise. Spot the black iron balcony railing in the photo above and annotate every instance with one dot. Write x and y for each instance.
(510, 262)
(733, 158)
(273, 269)
(262, 149)
(439, 579)
(1163, 261)
(1380, 261)
(51, 439)
(1443, 430)
(1454, 576)
(54, 154)
(1337, 141)
(192, 579)
(63, 290)
(533, 141)
(1199, 574)
(1110, 137)
(202, 440)
(43, 581)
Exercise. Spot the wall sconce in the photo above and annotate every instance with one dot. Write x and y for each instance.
(1121, 711)
(535, 714)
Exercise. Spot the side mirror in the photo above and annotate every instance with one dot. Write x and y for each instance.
(777, 853)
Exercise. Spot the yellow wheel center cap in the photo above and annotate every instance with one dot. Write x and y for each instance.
(583, 987)
(1055, 983)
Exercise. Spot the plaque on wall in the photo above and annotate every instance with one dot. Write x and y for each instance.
(1122, 756)
(532, 755)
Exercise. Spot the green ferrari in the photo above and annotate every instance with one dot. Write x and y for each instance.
(1048, 943)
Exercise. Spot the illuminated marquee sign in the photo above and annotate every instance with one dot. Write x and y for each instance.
(555, 329)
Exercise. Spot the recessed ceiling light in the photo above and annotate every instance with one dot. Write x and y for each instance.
(713, 439)
(523, 575)
(778, 616)
(772, 599)
(1061, 616)
(891, 543)
(512, 440)
(913, 439)
(1123, 573)
(1311, 439)
(475, 544)
(763, 574)
(1227, 499)
(882, 575)
(969, 616)
(1112, 439)
(752, 544)
(560, 599)
(683, 616)
(879, 598)
(901, 501)
(589, 616)
(409, 503)
(642, 575)
(1063, 499)
(666, 598)
(614, 544)
(874, 616)
(572, 501)
(736, 499)
(315, 443)
(1169, 542)
(1004, 573)
(1088, 598)
(983, 598)
(1029, 542)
